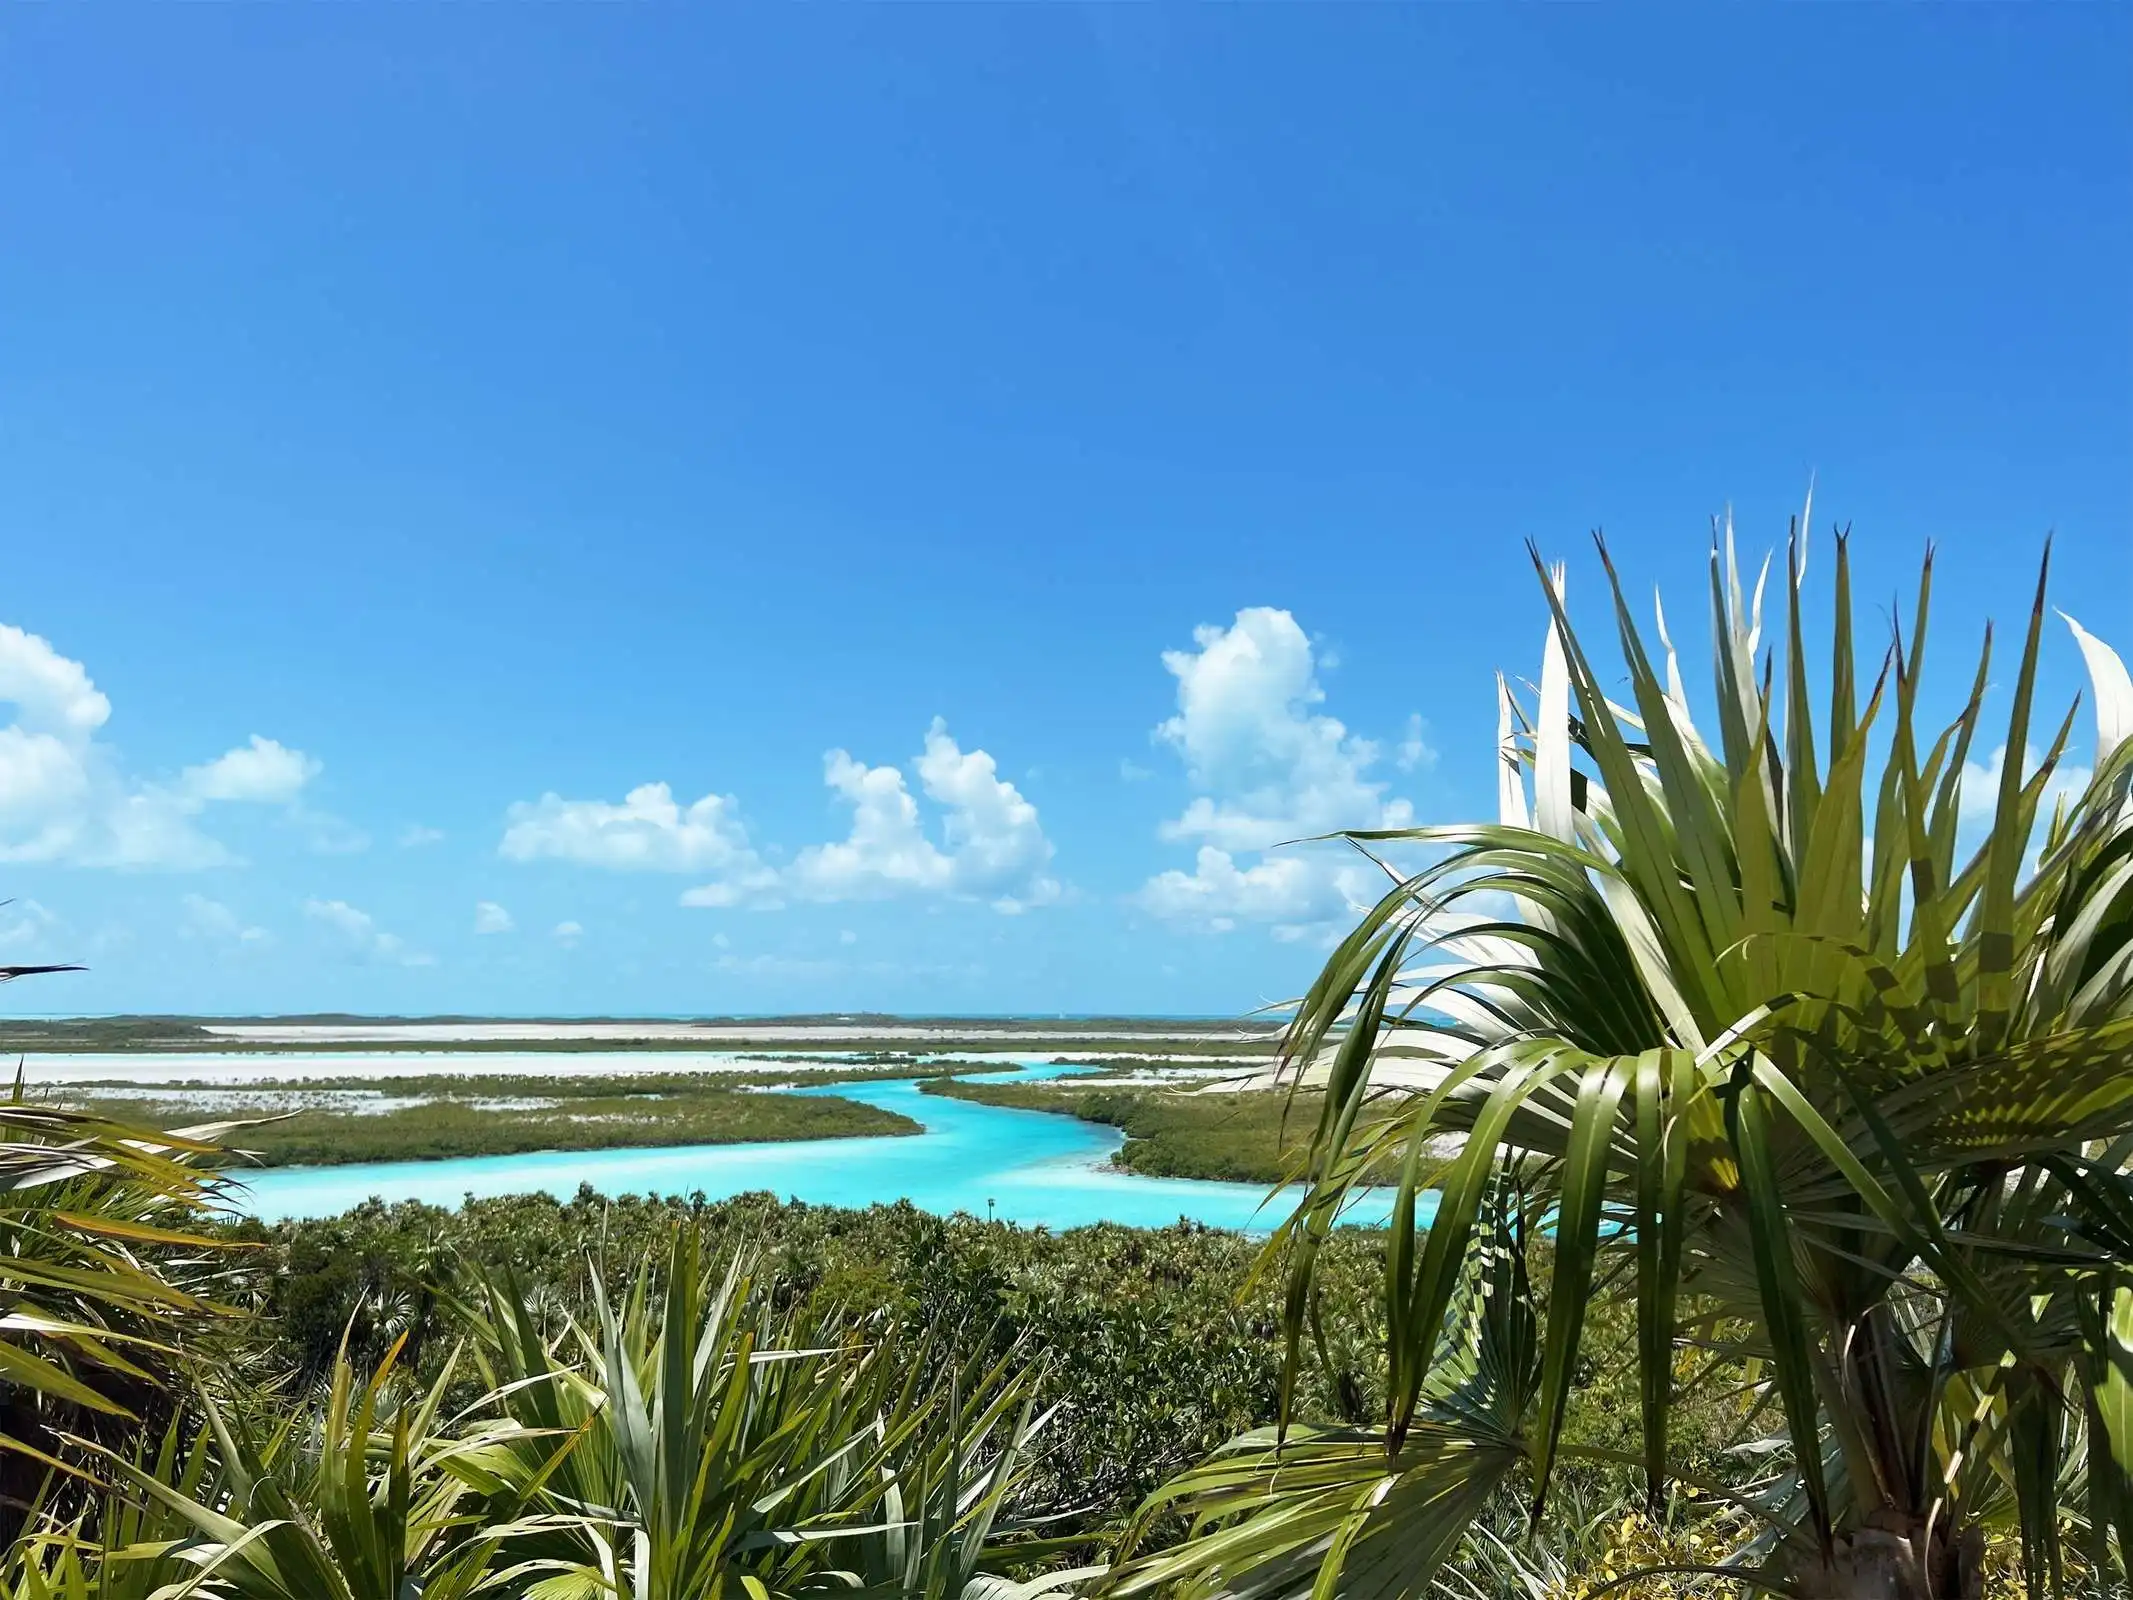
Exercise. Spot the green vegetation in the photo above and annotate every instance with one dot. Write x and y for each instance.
(1144, 1349)
(599, 1116)
(104, 1286)
(685, 1439)
(1174, 1346)
(1153, 1357)
(1249, 1137)
(102, 1033)
(1784, 1244)
(1790, 1065)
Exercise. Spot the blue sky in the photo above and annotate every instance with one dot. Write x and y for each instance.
(998, 469)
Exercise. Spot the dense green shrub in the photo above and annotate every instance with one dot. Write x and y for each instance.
(1156, 1341)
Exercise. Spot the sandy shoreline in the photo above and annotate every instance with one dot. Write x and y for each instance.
(150, 1068)
(781, 1034)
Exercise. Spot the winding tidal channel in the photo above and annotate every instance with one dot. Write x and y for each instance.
(1031, 1167)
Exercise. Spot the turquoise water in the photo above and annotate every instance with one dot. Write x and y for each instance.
(1029, 1166)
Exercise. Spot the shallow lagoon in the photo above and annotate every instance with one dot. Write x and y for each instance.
(1030, 1167)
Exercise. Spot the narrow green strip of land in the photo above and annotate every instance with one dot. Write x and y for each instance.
(437, 1129)
(1239, 1138)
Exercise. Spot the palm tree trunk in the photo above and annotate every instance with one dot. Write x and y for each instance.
(1887, 1563)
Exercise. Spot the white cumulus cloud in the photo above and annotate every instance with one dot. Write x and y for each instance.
(886, 852)
(360, 938)
(996, 844)
(1285, 889)
(65, 796)
(650, 831)
(1269, 766)
(567, 934)
(47, 690)
(489, 917)
(992, 844)
(985, 840)
(264, 771)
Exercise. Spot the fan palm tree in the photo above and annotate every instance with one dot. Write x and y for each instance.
(102, 1272)
(1784, 1056)
(682, 1446)
(65, 1560)
(365, 1507)
(687, 1445)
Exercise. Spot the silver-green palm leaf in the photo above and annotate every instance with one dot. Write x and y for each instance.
(1774, 1035)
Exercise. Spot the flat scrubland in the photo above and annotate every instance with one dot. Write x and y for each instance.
(335, 1091)
(1168, 1344)
(431, 1118)
(1171, 1130)
(292, 1068)
(1250, 1137)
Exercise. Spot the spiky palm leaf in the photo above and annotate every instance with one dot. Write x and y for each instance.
(368, 1508)
(689, 1444)
(1297, 1510)
(67, 1561)
(1769, 1038)
(102, 1271)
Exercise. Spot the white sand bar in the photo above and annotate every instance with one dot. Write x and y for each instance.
(784, 1034)
(206, 1068)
